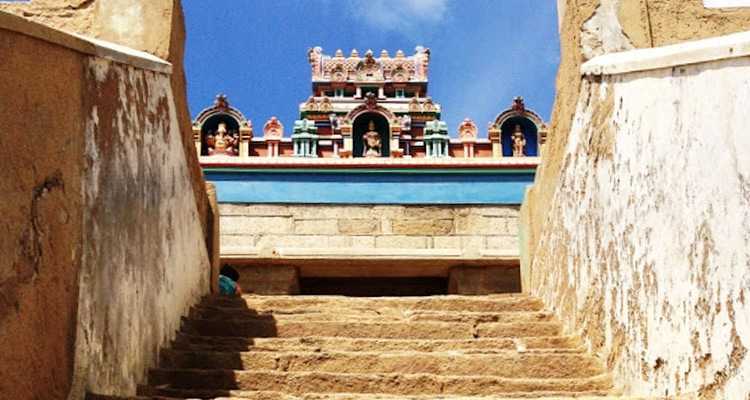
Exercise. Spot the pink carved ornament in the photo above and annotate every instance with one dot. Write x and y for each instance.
(467, 131)
(273, 129)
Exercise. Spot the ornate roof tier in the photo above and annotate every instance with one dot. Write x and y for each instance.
(369, 107)
(368, 67)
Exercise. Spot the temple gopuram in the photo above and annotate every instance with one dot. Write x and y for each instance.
(369, 140)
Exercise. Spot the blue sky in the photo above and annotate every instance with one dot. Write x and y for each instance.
(484, 52)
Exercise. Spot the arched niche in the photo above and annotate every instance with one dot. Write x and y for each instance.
(361, 126)
(210, 125)
(208, 120)
(531, 125)
(530, 132)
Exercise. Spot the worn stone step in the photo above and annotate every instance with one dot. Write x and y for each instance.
(185, 341)
(385, 330)
(397, 384)
(366, 315)
(490, 303)
(268, 395)
(509, 364)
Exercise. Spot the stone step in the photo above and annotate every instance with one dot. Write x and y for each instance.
(366, 315)
(484, 345)
(508, 365)
(384, 330)
(490, 303)
(395, 384)
(269, 395)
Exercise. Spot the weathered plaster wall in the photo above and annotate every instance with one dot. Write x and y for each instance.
(266, 227)
(624, 231)
(105, 250)
(156, 27)
(588, 28)
(646, 248)
(41, 208)
(146, 258)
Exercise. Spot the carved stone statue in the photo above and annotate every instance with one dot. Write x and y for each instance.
(222, 142)
(519, 142)
(372, 141)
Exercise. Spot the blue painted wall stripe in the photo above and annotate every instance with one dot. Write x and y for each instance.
(372, 188)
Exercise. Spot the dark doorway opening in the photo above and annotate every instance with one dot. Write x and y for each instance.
(374, 287)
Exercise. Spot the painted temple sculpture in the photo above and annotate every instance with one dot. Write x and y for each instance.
(363, 106)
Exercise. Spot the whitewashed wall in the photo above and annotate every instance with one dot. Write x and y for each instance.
(646, 251)
(726, 3)
(145, 261)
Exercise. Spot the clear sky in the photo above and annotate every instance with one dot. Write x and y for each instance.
(484, 52)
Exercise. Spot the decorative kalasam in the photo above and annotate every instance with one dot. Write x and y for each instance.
(273, 129)
(467, 131)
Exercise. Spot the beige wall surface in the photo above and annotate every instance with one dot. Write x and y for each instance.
(40, 182)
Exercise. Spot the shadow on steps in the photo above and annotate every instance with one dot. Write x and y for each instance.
(221, 327)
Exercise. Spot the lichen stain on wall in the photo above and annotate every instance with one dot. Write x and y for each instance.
(647, 246)
(144, 258)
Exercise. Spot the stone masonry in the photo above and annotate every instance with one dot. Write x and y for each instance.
(472, 229)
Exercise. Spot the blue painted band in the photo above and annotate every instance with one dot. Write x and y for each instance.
(372, 188)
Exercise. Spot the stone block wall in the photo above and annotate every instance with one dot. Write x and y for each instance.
(471, 229)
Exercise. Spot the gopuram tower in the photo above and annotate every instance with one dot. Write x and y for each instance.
(369, 182)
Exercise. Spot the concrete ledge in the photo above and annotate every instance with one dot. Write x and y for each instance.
(239, 252)
(694, 52)
(499, 254)
(355, 253)
(366, 253)
(83, 44)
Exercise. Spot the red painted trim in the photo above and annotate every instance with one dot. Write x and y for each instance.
(370, 165)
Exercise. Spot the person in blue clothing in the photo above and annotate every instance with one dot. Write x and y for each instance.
(228, 278)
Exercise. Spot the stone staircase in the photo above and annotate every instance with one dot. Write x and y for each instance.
(349, 348)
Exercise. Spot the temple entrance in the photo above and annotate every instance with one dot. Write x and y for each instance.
(364, 131)
(210, 127)
(529, 130)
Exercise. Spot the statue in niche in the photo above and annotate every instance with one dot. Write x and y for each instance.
(222, 142)
(371, 141)
(519, 142)
(405, 122)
